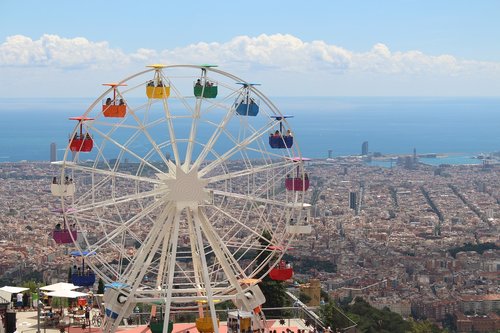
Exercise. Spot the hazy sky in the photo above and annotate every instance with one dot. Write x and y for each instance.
(63, 48)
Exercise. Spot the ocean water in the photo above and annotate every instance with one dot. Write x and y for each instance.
(462, 127)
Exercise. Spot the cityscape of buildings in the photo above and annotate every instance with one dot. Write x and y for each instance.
(387, 232)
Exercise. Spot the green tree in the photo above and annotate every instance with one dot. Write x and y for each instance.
(274, 291)
(304, 298)
(371, 320)
(424, 326)
(31, 285)
(333, 316)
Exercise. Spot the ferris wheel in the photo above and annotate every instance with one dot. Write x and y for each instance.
(187, 186)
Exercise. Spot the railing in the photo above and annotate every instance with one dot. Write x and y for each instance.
(301, 312)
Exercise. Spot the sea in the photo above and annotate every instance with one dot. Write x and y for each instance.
(459, 128)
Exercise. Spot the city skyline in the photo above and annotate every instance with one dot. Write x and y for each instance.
(334, 48)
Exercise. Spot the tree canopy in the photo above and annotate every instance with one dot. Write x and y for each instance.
(370, 319)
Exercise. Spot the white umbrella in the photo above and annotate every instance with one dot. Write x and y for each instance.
(13, 290)
(59, 286)
(7, 291)
(66, 293)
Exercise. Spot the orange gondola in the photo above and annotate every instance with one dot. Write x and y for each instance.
(113, 107)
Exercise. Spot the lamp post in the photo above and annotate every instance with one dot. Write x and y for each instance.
(38, 308)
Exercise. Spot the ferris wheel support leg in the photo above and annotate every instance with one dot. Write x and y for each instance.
(223, 255)
(173, 246)
(197, 266)
(141, 264)
(206, 278)
(163, 259)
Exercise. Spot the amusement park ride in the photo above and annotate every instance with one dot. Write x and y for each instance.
(170, 198)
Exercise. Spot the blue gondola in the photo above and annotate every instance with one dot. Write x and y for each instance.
(246, 105)
(248, 109)
(82, 276)
(278, 140)
(85, 280)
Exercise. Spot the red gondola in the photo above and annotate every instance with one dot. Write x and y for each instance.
(80, 141)
(298, 183)
(115, 108)
(64, 236)
(282, 272)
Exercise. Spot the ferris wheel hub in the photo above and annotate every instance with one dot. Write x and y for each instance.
(186, 189)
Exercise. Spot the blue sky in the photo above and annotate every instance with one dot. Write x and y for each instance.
(345, 48)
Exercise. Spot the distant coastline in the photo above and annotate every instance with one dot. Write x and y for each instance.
(391, 125)
(436, 159)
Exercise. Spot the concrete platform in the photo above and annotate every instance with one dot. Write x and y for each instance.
(27, 322)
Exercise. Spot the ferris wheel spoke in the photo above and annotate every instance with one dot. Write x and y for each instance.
(126, 149)
(171, 132)
(174, 227)
(229, 265)
(194, 129)
(226, 260)
(255, 199)
(163, 264)
(153, 143)
(197, 265)
(237, 222)
(115, 126)
(213, 139)
(248, 171)
(111, 173)
(92, 220)
(204, 274)
(82, 202)
(143, 258)
(101, 148)
(118, 200)
(192, 133)
(107, 224)
(238, 146)
(126, 225)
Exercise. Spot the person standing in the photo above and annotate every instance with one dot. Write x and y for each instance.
(87, 315)
(26, 301)
(19, 303)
